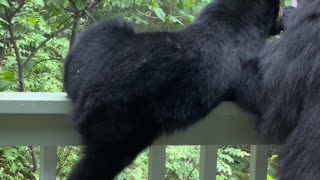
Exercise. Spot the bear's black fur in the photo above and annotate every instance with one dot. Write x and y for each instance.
(128, 88)
(285, 91)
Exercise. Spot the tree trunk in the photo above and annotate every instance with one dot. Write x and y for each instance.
(2, 52)
(75, 29)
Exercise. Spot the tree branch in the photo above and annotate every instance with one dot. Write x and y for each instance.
(150, 15)
(190, 173)
(89, 15)
(10, 15)
(43, 43)
(2, 53)
(34, 159)
(18, 9)
(16, 50)
(138, 11)
(75, 29)
(94, 4)
(37, 63)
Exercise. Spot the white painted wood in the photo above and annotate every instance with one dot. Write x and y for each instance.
(259, 162)
(208, 162)
(41, 119)
(157, 162)
(48, 163)
(33, 103)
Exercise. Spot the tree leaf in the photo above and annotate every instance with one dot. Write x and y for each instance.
(4, 85)
(269, 177)
(32, 20)
(80, 5)
(155, 4)
(189, 3)
(159, 12)
(5, 3)
(8, 76)
(4, 21)
(10, 153)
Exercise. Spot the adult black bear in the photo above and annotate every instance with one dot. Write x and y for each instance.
(129, 88)
(289, 81)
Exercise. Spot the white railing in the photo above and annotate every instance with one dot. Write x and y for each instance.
(40, 119)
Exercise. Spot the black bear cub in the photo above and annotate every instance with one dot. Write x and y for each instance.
(129, 88)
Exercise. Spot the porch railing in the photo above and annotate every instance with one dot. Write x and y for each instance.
(40, 119)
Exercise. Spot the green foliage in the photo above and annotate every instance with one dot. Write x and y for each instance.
(32, 26)
(232, 163)
(4, 3)
(6, 77)
(183, 164)
(15, 164)
(68, 156)
(272, 165)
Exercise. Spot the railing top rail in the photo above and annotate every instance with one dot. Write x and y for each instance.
(33, 103)
(41, 119)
